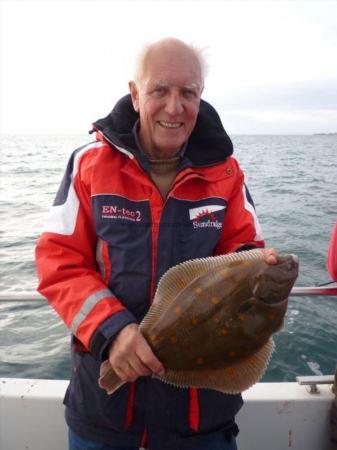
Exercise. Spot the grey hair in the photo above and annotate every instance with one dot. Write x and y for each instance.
(198, 52)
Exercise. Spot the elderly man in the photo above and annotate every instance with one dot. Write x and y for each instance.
(158, 187)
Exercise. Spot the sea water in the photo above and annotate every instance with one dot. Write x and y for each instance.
(293, 181)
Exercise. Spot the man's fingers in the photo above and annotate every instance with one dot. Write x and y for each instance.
(132, 369)
(126, 373)
(271, 255)
(120, 372)
(271, 259)
(149, 359)
(138, 366)
(131, 356)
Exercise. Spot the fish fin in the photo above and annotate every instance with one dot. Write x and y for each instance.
(181, 275)
(229, 380)
(108, 379)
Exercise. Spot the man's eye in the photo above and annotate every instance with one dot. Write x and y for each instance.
(158, 91)
(188, 93)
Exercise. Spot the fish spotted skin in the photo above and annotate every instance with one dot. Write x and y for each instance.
(222, 316)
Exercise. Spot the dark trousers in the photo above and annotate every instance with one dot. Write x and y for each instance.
(217, 441)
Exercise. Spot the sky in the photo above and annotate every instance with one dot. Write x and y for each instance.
(272, 64)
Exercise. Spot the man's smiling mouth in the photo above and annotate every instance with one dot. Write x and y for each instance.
(170, 124)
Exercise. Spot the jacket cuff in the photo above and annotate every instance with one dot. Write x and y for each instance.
(106, 333)
(246, 247)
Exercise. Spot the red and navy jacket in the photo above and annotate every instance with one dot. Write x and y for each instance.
(109, 238)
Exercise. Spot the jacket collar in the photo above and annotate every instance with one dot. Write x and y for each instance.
(208, 144)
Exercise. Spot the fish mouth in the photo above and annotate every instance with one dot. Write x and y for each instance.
(291, 261)
(275, 303)
(273, 286)
(295, 258)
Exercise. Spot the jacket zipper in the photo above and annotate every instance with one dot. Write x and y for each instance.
(156, 220)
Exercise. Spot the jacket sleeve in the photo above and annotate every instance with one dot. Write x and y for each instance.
(67, 267)
(332, 255)
(241, 229)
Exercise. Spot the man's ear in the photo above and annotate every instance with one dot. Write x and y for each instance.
(134, 95)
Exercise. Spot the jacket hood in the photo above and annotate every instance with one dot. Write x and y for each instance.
(208, 144)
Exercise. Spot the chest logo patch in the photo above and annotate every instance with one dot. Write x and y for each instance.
(113, 212)
(204, 217)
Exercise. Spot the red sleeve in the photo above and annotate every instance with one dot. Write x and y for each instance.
(241, 228)
(332, 254)
(66, 262)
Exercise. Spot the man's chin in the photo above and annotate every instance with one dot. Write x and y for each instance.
(168, 151)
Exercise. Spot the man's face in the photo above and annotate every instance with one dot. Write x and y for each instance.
(168, 101)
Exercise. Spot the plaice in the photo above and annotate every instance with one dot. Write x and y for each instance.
(212, 320)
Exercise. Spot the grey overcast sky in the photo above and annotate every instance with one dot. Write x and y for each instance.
(272, 64)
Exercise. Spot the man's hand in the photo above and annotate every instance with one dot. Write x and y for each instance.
(131, 356)
(270, 255)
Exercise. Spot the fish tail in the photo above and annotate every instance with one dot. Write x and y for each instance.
(108, 379)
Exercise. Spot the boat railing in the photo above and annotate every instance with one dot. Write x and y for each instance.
(297, 291)
(311, 382)
(329, 290)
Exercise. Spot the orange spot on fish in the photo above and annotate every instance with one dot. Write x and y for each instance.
(214, 300)
(194, 321)
(241, 317)
(231, 372)
(224, 331)
(224, 273)
(153, 337)
(246, 262)
(173, 339)
(200, 360)
(198, 290)
(231, 354)
(177, 309)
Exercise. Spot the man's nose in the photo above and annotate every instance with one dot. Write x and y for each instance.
(174, 104)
